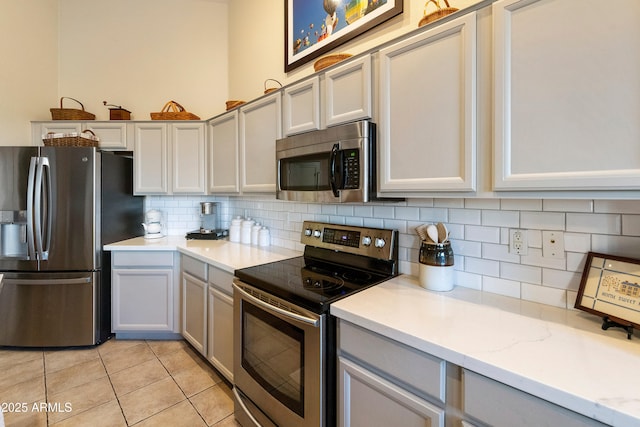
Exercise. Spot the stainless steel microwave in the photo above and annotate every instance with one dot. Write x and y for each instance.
(336, 164)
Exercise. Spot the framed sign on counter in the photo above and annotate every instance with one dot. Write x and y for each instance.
(610, 288)
(314, 27)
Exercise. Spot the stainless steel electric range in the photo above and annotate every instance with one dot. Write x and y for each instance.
(284, 336)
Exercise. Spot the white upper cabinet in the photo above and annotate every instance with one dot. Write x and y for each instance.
(348, 92)
(188, 147)
(427, 111)
(567, 95)
(224, 157)
(169, 158)
(302, 106)
(151, 160)
(113, 135)
(260, 127)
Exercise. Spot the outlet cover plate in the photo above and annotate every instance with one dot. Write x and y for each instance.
(518, 243)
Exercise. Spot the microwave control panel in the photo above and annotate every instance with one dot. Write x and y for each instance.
(351, 167)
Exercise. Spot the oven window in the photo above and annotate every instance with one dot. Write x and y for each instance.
(273, 354)
(305, 173)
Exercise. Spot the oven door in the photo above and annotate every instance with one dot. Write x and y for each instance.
(278, 361)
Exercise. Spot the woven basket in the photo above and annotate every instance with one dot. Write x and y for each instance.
(70, 113)
(271, 89)
(233, 104)
(173, 111)
(434, 16)
(328, 61)
(86, 138)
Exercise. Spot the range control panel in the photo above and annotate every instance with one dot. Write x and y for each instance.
(372, 242)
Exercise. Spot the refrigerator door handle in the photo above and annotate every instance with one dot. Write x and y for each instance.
(42, 164)
(48, 207)
(31, 251)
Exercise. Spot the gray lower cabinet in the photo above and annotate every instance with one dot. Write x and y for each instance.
(499, 405)
(194, 303)
(393, 385)
(220, 322)
(143, 293)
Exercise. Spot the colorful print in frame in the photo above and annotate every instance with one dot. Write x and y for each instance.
(314, 27)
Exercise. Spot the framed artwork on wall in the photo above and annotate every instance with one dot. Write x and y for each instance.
(610, 288)
(314, 27)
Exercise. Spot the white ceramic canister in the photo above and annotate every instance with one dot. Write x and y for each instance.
(234, 229)
(245, 231)
(255, 232)
(436, 266)
(264, 237)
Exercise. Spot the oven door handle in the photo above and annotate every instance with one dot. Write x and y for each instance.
(273, 308)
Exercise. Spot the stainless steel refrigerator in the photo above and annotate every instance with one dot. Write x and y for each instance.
(58, 207)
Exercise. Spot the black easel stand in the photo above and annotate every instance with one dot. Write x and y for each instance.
(606, 324)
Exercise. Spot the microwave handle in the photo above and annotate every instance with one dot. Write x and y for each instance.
(336, 176)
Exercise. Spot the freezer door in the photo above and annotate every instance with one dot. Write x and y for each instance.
(68, 214)
(14, 178)
(47, 310)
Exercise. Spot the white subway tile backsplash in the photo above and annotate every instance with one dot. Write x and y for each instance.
(433, 215)
(499, 218)
(521, 205)
(408, 213)
(479, 234)
(543, 295)
(482, 234)
(465, 216)
(594, 223)
(482, 266)
(498, 253)
(482, 203)
(631, 225)
(521, 273)
(499, 286)
(565, 205)
(542, 220)
(561, 279)
(577, 242)
(617, 206)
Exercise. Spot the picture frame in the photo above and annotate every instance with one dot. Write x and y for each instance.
(610, 288)
(314, 27)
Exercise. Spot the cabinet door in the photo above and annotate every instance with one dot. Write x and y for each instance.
(427, 125)
(194, 312)
(151, 162)
(260, 126)
(302, 106)
(224, 172)
(113, 136)
(365, 399)
(348, 92)
(220, 339)
(567, 95)
(188, 153)
(142, 299)
(38, 129)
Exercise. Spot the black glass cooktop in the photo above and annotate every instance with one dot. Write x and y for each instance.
(310, 284)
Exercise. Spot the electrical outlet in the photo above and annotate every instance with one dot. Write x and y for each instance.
(553, 244)
(518, 241)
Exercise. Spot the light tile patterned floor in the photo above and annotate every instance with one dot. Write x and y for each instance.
(118, 383)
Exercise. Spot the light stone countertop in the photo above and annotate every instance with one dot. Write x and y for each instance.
(562, 356)
(223, 254)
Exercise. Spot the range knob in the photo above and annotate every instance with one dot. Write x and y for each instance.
(379, 242)
(307, 232)
(316, 233)
(366, 241)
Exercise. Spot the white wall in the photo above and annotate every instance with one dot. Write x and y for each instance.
(256, 42)
(135, 53)
(29, 70)
(143, 53)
